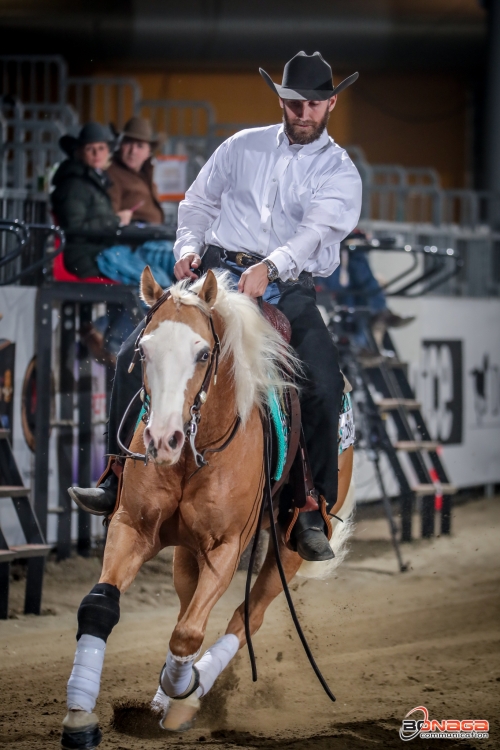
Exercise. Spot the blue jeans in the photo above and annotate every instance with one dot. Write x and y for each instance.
(363, 288)
(272, 293)
(125, 265)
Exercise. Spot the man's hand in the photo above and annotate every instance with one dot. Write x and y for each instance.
(182, 268)
(254, 281)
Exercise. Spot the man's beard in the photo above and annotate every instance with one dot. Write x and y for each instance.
(300, 136)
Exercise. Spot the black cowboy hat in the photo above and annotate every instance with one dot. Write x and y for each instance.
(307, 77)
(92, 132)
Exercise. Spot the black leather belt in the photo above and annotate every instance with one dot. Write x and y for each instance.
(217, 257)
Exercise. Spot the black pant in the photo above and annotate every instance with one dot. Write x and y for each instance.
(320, 397)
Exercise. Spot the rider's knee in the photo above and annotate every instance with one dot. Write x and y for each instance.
(99, 611)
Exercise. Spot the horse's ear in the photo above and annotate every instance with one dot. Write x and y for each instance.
(151, 291)
(208, 292)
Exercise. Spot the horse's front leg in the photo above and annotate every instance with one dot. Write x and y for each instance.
(178, 679)
(126, 550)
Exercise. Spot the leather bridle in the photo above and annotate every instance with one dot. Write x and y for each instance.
(191, 427)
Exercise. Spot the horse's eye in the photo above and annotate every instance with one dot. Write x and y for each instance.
(202, 356)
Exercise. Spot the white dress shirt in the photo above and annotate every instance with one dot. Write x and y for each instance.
(292, 204)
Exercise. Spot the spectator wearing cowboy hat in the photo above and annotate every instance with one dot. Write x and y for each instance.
(131, 173)
(80, 200)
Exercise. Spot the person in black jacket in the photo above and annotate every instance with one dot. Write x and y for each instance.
(80, 199)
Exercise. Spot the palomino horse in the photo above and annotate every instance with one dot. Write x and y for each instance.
(208, 515)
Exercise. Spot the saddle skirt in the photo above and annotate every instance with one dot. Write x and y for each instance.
(278, 320)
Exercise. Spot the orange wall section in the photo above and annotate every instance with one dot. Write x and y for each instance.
(236, 97)
(415, 120)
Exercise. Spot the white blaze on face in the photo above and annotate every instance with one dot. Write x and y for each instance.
(172, 352)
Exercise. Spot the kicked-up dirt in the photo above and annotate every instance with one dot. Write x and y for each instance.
(385, 641)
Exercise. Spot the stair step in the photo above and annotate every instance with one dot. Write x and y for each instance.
(31, 550)
(411, 446)
(376, 360)
(13, 491)
(4, 434)
(429, 489)
(6, 555)
(390, 404)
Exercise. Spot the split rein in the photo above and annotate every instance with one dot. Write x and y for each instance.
(191, 427)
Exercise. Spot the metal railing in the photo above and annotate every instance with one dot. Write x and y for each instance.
(30, 148)
(399, 194)
(34, 78)
(179, 118)
(22, 253)
(478, 248)
(111, 99)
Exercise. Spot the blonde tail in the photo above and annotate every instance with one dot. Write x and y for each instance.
(342, 530)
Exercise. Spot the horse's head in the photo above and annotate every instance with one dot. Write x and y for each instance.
(177, 345)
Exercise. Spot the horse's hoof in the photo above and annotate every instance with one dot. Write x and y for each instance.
(80, 731)
(181, 714)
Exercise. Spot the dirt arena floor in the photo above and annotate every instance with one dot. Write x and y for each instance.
(386, 642)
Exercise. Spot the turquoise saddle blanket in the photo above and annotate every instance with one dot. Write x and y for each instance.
(281, 426)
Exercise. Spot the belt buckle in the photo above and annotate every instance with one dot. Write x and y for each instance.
(240, 258)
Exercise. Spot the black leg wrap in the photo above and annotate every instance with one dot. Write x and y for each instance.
(99, 611)
(88, 739)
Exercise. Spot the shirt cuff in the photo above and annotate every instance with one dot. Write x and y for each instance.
(283, 263)
(186, 249)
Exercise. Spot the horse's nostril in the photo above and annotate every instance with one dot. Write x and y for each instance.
(173, 441)
(152, 450)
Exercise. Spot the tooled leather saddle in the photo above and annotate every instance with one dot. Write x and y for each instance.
(295, 489)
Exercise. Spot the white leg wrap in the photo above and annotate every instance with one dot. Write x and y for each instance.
(177, 674)
(214, 660)
(84, 683)
(160, 702)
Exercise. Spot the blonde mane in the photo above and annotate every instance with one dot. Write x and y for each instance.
(259, 353)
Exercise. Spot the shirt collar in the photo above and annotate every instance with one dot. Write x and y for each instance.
(308, 148)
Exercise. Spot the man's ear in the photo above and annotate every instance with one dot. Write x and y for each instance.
(281, 102)
(208, 292)
(150, 290)
(332, 102)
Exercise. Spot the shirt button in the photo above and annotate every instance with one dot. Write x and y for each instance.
(275, 180)
(264, 230)
(267, 205)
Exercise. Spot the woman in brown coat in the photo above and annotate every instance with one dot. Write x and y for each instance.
(131, 173)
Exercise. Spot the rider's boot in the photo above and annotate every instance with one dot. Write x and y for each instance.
(100, 500)
(311, 530)
(309, 537)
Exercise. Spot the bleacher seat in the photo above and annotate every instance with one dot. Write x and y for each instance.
(60, 273)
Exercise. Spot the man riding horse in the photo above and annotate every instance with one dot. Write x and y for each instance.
(276, 201)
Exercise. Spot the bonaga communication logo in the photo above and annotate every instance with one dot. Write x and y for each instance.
(450, 729)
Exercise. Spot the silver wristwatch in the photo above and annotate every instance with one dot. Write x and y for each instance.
(272, 271)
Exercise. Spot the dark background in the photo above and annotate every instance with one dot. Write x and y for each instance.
(425, 65)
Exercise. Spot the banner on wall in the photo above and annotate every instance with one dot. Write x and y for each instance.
(453, 353)
(170, 177)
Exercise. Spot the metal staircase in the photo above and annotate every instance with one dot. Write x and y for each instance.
(380, 389)
(35, 550)
(388, 378)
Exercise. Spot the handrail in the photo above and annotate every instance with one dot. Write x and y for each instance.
(440, 255)
(16, 227)
(134, 233)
